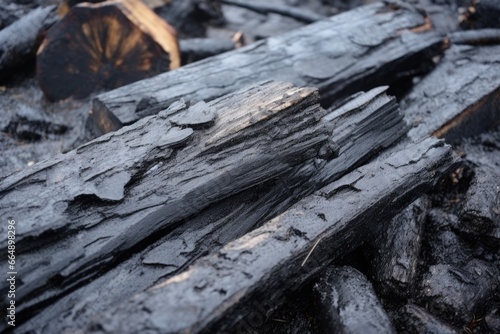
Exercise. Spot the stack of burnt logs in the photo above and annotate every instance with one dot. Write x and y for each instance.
(277, 188)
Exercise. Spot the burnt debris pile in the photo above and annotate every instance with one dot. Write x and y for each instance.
(284, 166)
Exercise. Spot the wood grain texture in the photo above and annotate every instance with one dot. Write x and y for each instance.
(347, 53)
(104, 46)
(250, 156)
(219, 290)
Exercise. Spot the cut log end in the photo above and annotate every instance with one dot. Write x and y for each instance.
(104, 46)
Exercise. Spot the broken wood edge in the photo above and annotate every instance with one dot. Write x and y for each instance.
(216, 292)
(350, 129)
(472, 120)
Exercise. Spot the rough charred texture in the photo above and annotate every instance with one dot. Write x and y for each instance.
(218, 290)
(397, 250)
(480, 214)
(416, 320)
(342, 55)
(443, 244)
(459, 293)
(272, 139)
(348, 304)
(104, 46)
(460, 98)
(20, 40)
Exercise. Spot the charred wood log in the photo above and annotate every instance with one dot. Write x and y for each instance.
(347, 303)
(460, 293)
(108, 203)
(416, 320)
(397, 250)
(188, 17)
(353, 51)
(459, 99)
(104, 45)
(480, 214)
(218, 290)
(20, 40)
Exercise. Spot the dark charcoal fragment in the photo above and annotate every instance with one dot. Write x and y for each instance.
(444, 246)
(460, 293)
(479, 215)
(348, 304)
(397, 250)
(413, 319)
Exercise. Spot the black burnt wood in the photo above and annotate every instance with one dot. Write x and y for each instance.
(353, 51)
(460, 98)
(199, 176)
(395, 253)
(20, 40)
(347, 303)
(219, 290)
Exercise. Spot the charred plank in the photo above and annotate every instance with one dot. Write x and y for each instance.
(215, 293)
(339, 55)
(371, 118)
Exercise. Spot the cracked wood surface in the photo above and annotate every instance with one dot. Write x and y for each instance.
(460, 98)
(353, 51)
(219, 290)
(272, 140)
(357, 130)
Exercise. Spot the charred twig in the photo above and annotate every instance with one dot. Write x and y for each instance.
(266, 8)
(476, 37)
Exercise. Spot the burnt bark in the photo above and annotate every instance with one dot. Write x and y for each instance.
(218, 290)
(267, 147)
(353, 51)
